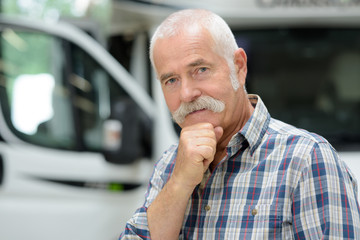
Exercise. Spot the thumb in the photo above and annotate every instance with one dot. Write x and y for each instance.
(218, 132)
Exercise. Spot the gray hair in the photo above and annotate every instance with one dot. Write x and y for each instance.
(197, 19)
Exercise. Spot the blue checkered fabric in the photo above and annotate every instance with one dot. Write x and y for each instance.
(276, 182)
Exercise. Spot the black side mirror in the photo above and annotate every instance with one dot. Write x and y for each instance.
(127, 135)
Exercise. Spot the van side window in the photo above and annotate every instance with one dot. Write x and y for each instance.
(33, 89)
(56, 95)
(108, 120)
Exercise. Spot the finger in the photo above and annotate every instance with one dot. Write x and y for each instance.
(209, 141)
(193, 135)
(208, 158)
(206, 152)
(199, 126)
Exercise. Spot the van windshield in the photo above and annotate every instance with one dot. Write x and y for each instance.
(309, 78)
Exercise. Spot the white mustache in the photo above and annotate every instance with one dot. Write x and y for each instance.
(203, 102)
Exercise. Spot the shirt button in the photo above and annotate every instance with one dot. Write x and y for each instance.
(254, 212)
(207, 208)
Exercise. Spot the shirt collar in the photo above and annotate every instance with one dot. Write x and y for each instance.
(255, 128)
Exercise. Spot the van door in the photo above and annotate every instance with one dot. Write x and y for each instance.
(74, 144)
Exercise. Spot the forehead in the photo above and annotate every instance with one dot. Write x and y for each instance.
(184, 47)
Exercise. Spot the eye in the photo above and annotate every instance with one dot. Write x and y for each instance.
(170, 81)
(202, 69)
(201, 73)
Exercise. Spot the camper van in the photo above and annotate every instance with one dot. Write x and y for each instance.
(78, 135)
(80, 132)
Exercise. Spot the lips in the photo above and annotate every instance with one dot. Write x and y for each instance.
(196, 111)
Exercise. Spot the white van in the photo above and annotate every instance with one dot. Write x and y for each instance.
(78, 135)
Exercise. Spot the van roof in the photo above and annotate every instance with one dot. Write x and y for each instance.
(132, 15)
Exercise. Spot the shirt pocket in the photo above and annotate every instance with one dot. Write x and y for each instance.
(261, 221)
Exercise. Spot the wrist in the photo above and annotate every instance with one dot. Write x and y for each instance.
(180, 187)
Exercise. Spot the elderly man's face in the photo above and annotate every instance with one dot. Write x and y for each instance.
(189, 69)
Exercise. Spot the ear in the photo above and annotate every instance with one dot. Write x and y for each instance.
(240, 61)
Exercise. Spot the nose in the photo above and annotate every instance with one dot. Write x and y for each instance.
(189, 91)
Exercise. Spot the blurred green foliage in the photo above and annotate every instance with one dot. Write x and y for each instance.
(96, 10)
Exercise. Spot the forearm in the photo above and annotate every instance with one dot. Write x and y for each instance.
(196, 150)
(166, 214)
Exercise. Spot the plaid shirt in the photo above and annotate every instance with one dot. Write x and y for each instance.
(276, 182)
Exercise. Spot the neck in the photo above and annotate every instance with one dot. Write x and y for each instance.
(229, 133)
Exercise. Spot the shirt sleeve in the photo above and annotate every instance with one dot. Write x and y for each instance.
(137, 226)
(325, 202)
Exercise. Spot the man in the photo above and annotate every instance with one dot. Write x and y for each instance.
(236, 173)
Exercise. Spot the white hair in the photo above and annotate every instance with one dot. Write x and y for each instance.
(190, 20)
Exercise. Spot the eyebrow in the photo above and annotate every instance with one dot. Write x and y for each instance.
(165, 76)
(197, 62)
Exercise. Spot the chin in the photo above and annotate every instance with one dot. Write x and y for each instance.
(204, 116)
(190, 122)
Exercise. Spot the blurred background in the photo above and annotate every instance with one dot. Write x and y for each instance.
(83, 120)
